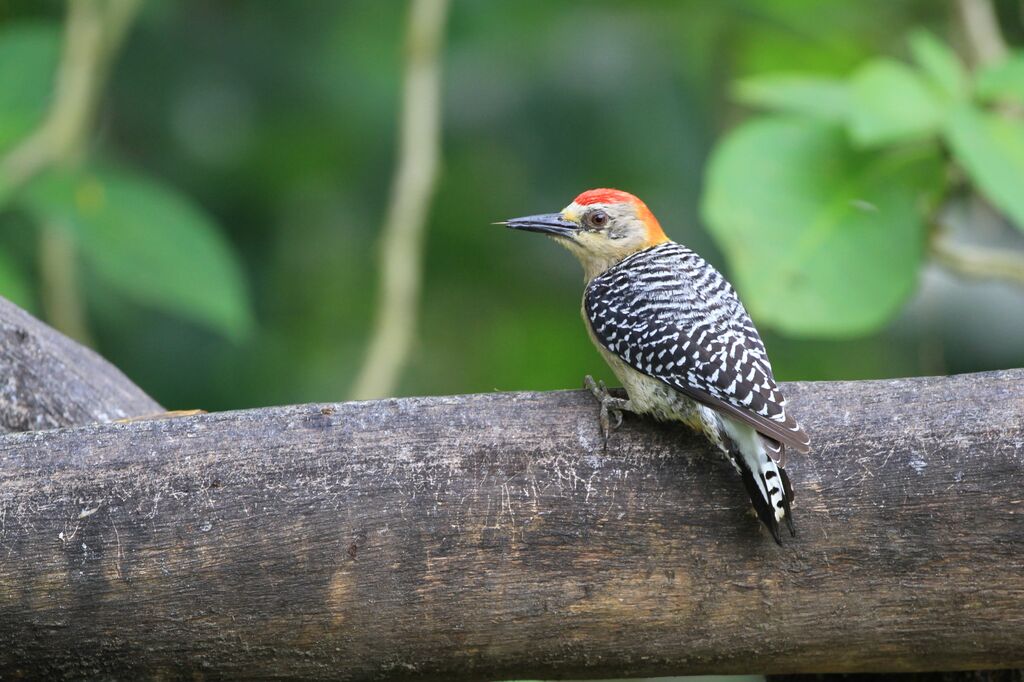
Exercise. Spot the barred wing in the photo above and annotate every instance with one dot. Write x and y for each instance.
(670, 315)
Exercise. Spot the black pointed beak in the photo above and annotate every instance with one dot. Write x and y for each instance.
(548, 223)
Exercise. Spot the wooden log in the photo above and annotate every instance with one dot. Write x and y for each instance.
(492, 536)
(49, 381)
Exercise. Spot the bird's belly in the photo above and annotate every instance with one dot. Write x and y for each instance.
(652, 397)
(657, 399)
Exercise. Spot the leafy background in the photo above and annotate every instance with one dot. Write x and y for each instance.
(224, 228)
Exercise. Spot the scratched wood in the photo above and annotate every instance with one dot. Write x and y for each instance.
(492, 536)
(48, 381)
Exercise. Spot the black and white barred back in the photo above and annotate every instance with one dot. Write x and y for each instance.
(670, 315)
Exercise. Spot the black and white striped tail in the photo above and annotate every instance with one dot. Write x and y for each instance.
(768, 487)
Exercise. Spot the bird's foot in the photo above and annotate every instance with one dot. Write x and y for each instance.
(611, 407)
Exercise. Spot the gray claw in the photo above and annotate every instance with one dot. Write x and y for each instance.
(610, 406)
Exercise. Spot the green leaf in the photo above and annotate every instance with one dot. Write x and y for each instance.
(29, 53)
(816, 96)
(940, 63)
(13, 285)
(823, 239)
(1002, 81)
(890, 103)
(149, 242)
(991, 149)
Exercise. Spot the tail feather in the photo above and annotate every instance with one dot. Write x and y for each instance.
(759, 465)
(787, 498)
(755, 491)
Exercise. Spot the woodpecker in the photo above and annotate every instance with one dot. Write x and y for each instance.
(675, 334)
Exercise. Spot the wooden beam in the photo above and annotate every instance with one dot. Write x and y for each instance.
(48, 381)
(493, 536)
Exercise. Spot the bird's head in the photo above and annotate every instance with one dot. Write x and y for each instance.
(600, 227)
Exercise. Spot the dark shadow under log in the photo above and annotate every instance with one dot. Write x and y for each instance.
(491, 536)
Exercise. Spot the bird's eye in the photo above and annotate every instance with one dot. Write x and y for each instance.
(597, 219)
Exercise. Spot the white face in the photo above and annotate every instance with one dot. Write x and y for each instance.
(609, 233)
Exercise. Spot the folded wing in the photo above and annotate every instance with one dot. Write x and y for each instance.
(673, 317)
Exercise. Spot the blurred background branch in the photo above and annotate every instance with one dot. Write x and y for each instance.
(401, 247)
(978, 262)
(60, 292)
(93, 32)
(981, 26)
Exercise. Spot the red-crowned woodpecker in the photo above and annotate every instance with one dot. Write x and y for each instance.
(677, 337)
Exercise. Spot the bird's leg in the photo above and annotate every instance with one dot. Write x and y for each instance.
(610, 406)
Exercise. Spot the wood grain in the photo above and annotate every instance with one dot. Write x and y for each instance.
(49, 381)
(492, 536)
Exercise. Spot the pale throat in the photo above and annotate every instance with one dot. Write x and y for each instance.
(596, 259)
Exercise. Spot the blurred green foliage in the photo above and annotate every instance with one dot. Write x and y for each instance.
(147, 242)
(825, 207)
(28, 55)
(226, 219)
(823, 238)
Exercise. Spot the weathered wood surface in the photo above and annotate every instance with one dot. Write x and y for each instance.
(490, 537)
(49, 381)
